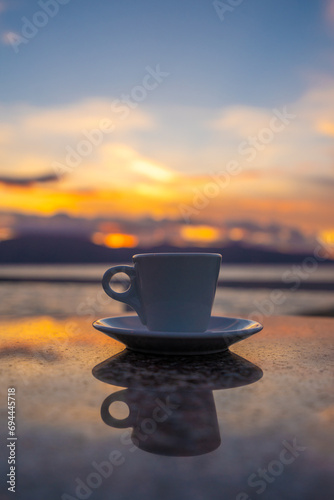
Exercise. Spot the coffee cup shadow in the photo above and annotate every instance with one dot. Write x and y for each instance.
(171, 405)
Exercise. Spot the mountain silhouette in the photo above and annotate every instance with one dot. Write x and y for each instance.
(35, 249)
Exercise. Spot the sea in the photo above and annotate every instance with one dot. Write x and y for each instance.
(253, 291)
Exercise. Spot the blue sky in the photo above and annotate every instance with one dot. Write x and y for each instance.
(263, 53)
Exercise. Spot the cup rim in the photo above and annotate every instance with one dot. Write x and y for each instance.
(176, 255)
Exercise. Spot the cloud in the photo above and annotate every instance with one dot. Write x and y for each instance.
(28, 181)
(126, 160)
(3, 6)
(241, 120)
(9, 37)
(297, 145)
(88, 115)
(7, 133)
(119, 166)
(329, 12)
(144, 145)
(32, 138)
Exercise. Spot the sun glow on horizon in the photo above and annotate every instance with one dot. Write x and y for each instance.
(115, 240)
(327, 237)
(200, 234)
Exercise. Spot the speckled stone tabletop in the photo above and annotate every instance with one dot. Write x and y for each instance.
(100, 422)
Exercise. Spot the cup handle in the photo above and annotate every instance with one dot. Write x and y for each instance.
(130, 296)
(117, 422)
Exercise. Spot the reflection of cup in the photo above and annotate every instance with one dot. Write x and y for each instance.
(170, 292)
(223, 370)
(171, 406)
(178, 423)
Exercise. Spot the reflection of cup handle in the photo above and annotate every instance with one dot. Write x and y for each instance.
(130, 296)
(116, 422)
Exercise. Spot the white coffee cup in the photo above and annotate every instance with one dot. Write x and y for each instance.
(170, 291)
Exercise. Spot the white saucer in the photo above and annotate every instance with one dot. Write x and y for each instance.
(221, 333)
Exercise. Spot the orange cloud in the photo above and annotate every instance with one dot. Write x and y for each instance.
(262, 198)
(34, 140)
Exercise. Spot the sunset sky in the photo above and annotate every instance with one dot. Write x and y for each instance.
(181, 109)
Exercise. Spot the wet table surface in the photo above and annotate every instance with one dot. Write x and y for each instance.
(100, 422)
